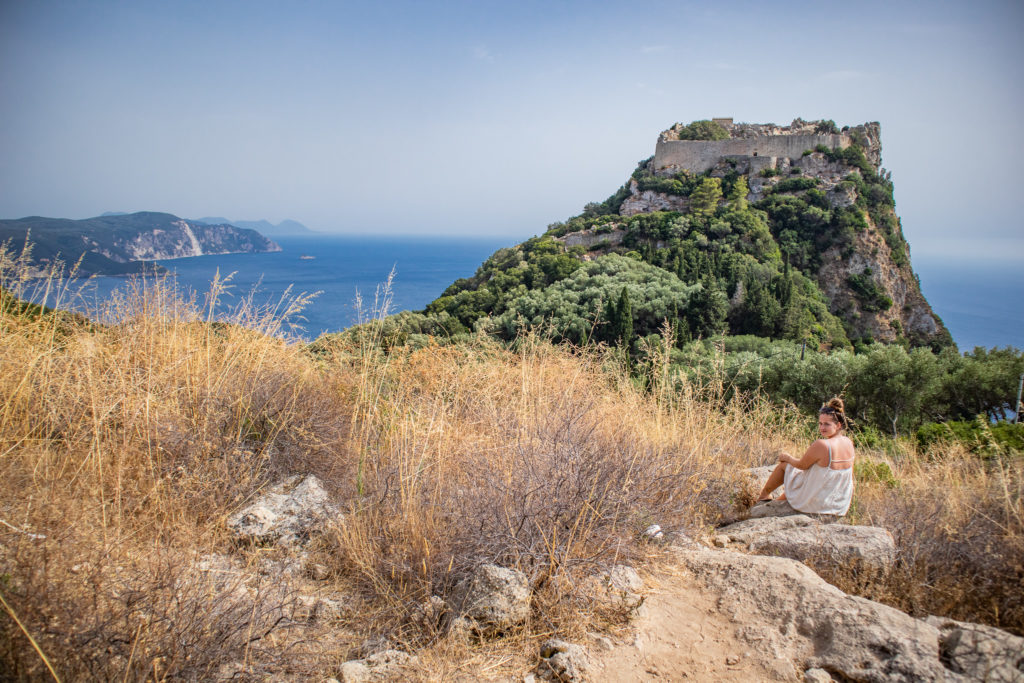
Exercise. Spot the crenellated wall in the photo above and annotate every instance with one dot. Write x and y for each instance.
(700, 155)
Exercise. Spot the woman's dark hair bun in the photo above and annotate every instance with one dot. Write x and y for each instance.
(835, 407)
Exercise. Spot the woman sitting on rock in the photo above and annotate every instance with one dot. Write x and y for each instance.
(821, 482)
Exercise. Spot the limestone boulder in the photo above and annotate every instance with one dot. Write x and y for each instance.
(382, 666)
(791, 613)
(979, 652)
(562, 661)
(653, 534)
(315, 608)
(590, 238)
(757, 476)
(817, 676)
(646, 201)
(620, 587)
(286, 514)
(772, 508)
(494, 598)
(753, 529)
(836, 545)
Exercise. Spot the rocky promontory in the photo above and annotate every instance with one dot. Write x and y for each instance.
(729, 229)
(820, 185)
(124, 244)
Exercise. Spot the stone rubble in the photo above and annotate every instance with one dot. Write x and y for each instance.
(382, 666)
(286, 514)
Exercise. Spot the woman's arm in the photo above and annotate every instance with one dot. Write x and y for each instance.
(817, 451)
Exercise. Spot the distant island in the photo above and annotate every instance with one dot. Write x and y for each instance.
(263, 226)
(124, 244)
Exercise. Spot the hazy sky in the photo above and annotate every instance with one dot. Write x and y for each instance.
(489, 117)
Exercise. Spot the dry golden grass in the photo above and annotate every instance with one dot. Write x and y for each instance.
(958, 522)
(124, 447)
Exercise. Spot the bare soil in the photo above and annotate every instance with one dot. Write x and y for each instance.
(681, 636)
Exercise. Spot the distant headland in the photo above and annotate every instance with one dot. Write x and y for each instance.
(124, 244)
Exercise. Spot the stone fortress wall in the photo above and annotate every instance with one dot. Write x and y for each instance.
(697, 156)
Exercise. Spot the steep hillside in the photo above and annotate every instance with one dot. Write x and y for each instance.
(780, 232)
(122, 244)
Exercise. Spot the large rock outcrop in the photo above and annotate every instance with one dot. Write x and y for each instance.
(791, 612)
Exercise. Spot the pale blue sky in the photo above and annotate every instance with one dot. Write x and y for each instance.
(489, 117)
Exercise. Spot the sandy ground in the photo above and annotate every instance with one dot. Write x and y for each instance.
(681, 636)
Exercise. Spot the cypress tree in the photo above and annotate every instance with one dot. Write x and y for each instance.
(610, 330)
(624, 316)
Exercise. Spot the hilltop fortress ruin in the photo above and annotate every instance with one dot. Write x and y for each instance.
(757, 146)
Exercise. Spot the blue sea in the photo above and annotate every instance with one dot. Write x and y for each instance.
(980, 304)
(341, 267)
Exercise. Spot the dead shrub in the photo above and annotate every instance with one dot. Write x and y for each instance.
(103, 611)
(535, 458)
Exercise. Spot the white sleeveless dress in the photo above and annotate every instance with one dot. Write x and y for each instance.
(820, 490)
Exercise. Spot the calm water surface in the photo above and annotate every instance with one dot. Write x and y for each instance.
(979, 303)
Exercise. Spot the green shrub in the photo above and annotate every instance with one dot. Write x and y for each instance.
(795, 184)
(867, 436)
(871, 296)
(826, 127)
(703, 130)
(977, 436)
(875, 471)
(682, 184)
(769, 172)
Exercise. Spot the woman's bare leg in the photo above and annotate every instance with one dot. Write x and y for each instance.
(776, 479)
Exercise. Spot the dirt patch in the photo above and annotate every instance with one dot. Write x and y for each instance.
(682, 636)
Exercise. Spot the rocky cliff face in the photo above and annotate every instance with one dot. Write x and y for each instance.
(182, 239)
